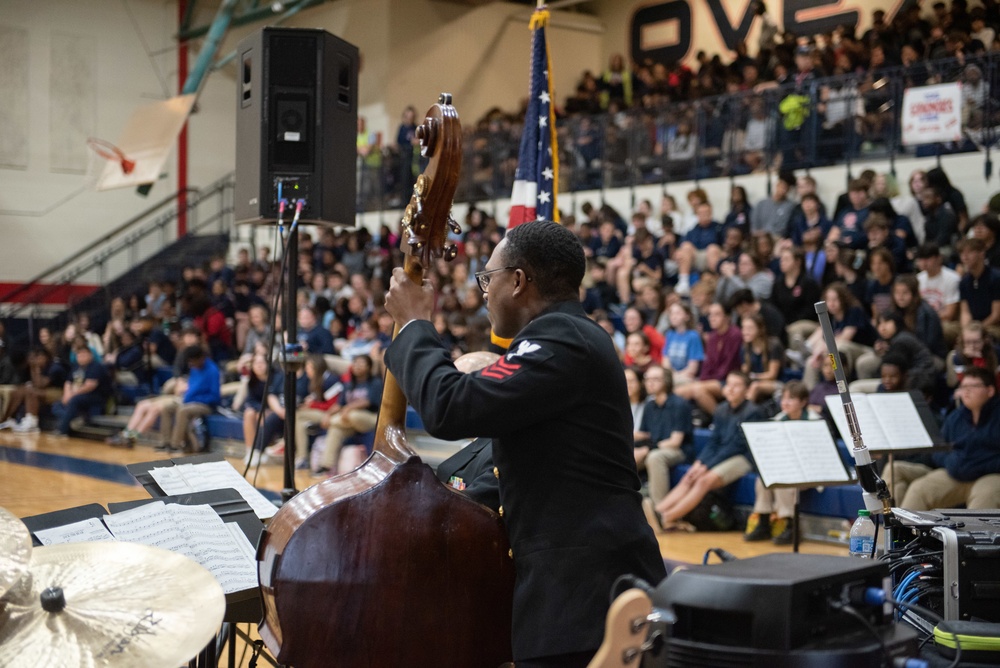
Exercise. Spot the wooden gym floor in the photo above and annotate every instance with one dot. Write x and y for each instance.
(40, 473)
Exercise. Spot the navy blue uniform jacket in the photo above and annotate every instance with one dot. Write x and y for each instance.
(473, 464)
(557, 410)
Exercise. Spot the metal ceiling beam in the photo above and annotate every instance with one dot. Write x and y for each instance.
(251, 16)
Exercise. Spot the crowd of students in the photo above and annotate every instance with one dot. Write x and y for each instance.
(724, 307)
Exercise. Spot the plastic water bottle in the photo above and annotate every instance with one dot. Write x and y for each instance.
(862, 535)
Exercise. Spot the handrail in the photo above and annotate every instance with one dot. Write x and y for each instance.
(198, 197)
(24, 287)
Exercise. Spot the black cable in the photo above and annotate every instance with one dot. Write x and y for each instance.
(258, 429)
(848, 609)
(935, 617)
(632, 582)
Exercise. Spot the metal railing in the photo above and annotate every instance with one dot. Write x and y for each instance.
(836, 120)
(128, 245)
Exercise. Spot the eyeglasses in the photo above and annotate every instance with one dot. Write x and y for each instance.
(483, 278)
(971, 386)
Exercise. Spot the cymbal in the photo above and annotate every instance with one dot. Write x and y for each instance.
(109, 604)
(15, 550)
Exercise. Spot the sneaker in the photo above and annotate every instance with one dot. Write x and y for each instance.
(321, 472)
(302, 464)
(8, 424)
(121, 440)
(163, 447)
(277, 450)
(252, 458)
(782, 531)
(758, 528)
(27, 425)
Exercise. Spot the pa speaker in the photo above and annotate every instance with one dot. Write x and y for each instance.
(296, 127)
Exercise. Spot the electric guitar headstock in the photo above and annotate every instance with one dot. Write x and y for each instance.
(427, 218)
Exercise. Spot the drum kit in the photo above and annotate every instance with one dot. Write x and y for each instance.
(101, 604)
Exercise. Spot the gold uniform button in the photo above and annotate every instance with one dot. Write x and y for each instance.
(510, 553)
(496, 472)
(501, 511)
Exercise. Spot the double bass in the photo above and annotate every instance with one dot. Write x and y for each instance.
(385, 565)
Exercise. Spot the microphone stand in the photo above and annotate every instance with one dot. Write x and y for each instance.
(875, 492)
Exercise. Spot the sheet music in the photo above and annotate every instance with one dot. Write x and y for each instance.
(871, 429)
(149, 524)
(216, 548)
(794, 452)
(78, 532)
(197, 532)
(888, 421)
(900, 420)
(187, 478)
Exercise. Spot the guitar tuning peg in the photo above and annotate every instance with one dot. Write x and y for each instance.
(454, 226)
(450, 252)
(408, 213)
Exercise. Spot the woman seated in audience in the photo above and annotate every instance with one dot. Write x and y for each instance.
(637, 352)
(636, 395)
(795, 295)
(632, 319)
(878, 291)
(683, 351)
(762, 358)
(852, 330)
(918, 316)
(251, 396)
(747, 272)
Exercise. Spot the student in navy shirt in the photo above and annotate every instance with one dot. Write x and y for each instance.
(970, 472)
(979, 288)
(311, 335)
(701, 248)
(664, 438)
(724, 460)
(848, 228)
(86, 390)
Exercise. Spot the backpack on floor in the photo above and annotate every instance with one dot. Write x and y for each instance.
(714, 513)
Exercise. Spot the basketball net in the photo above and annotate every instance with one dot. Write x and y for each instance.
(102, 152)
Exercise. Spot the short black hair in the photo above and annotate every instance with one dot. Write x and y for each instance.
(550, 255)
(194, 353)
(896, 359)
(741, 297)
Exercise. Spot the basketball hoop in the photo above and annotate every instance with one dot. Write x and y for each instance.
(109, 151)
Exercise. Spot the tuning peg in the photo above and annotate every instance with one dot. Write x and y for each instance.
(408, 213)
(453, 225)
(450, 252)
(444, 98)
(422, 185)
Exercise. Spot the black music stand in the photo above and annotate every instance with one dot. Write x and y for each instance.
(774, 445)
(241, 607)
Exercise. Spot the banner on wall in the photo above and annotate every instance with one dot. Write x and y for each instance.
(932, 114)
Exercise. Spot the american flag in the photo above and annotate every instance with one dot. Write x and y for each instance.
(537, 177)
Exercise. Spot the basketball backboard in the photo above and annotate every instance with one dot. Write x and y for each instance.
(147, 140)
